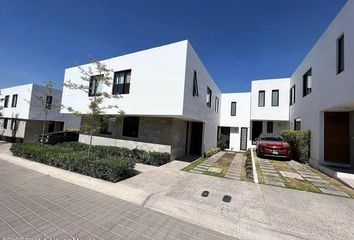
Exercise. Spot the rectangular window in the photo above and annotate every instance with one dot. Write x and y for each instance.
(261, 98)
(275, 98)
(233, 108)
(6, 101)
(195, 85)
(105, 127)
(209, 95)
(121, 82)
(5, 123)
(307, 83)
(96, 86)
(216, 104)
(131, 127)
(269, 127)
(340, 54)
(297, 124)
(48, 102)
(292, 95)
(14, 124)
(14, 100)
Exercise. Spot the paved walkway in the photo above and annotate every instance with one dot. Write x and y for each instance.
(37, 206)
(235, 169)
(207, 163)
(270, 176)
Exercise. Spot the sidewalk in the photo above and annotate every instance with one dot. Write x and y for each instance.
(255, 211)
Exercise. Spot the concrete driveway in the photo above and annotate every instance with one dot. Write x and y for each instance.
(38, 206)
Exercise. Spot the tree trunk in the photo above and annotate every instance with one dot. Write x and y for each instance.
(43, 127)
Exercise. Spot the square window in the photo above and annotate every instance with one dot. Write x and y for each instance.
(121, 82)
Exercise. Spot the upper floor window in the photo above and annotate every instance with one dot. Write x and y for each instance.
(6, 101)
(121, 82)
(195, 85)
(307, 83)
(261, 98)
(96, 86)
(292, 95)
(275, 98)
(340, 54)
(131, 127)
(14, 100)
(233, 108)
(216, 104)
(209, 95)
(48, 102)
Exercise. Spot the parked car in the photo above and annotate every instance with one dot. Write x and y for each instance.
(58, 137)
(272, 145)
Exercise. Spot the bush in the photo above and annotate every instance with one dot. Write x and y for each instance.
(109, 168)
(299, 141)
(222, 142)
(211, 151)
(140, 156)
(248, 165)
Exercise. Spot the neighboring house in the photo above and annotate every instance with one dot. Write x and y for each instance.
(23, 112)
(322, 93)
(171, 103)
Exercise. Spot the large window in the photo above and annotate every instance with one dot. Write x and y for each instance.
(105, 127)
(5, 123)
(216, 104)
(261, 98)
(209, 95)
(269, 127)
(131, 127)
(121, 82)
(195, 85)
(292, 95)
(297, 124)
(96, 86)
(275, 98)
(6, 101)
(233, 108)
(48, 102)
(340, 54)
(307, 83)
(14, 100)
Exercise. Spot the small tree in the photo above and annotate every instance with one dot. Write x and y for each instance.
(94, 78)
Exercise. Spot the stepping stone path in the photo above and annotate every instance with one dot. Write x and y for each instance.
(234, 171)
(316, 180)
(207, 163)
(270, 176)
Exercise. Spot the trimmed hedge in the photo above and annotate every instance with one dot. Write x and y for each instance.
(299, 141)
(110, 168)
(211, 151)
(140, 156)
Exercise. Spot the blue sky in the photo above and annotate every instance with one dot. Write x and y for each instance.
(237, 40)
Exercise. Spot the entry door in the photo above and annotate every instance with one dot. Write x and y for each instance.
(243, 140)
(196, 138)
(257, 129)
(336, 134)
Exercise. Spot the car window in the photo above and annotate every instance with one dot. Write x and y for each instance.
(273, 139)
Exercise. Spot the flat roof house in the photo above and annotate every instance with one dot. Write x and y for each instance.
(23, 112)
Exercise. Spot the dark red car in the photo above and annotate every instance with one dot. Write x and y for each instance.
(273, 145)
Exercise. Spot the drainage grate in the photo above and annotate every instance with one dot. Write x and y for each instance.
(205, 193)
(227, 198)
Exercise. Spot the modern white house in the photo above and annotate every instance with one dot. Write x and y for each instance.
(24, 109)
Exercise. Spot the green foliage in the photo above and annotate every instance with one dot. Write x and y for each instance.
(248, 165)
(211, 151)
(299, 141)
(222, 142)
(140, 156)
(108, 168)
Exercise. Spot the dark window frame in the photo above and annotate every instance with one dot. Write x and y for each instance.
(127, 132)
(340, 54)
(209, 97)
(259, 98)
(233, 113)
(292, 95)
(14, 100)
(195, 85)
(270, 127)
(122, 88)
(49, 102)
(94, 83)
(297, 126)
(305, 82)
(6, 101)
(217, 104)
(277, 99)
(6, 122)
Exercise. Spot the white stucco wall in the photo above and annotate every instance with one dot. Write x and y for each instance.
(269, 112)
(330, 92)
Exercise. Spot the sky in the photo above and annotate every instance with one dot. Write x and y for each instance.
(237, 40)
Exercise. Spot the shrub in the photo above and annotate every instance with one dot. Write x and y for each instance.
(107, 168)
(299, 141)
(248, 165)
(140, 156)
(211, 151)
(222, 143)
